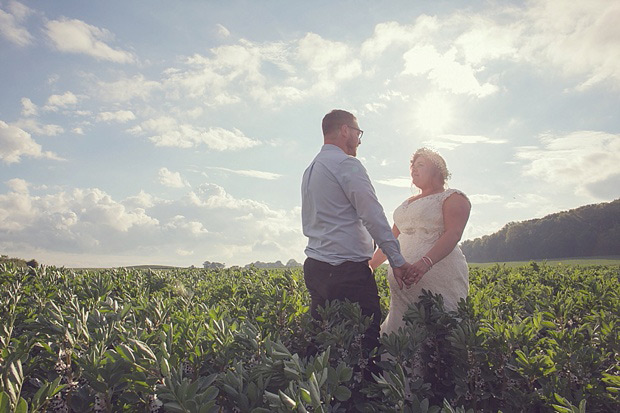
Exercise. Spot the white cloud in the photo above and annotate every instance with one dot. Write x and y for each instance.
(142, 200)
(165, 131)
(184, 253)
(19, 10)
(75, 36)
(15, 143)
(20, 210)
(251, 173)
(475, 229)
(18, 185)
(485, 198)
(487, 38)
(581, 159)
(11, 27)
(215, 196)
(538, 205)
(403, 182)
(581, 38)
(91, 222)
(233, 71)
(331, 62)
(55, 102)
(390, 34)
(444, 71)
(125, 89)
(120, 116)
(171, 179)
(222, 31)
(454, 51)
(221, 139)
(375, 107)
(273, 74)
(36, 127)
(183, 225)
(451, 141)
(100, 209)
(29, 108)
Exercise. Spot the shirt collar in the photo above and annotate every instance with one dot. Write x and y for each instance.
(331, 147)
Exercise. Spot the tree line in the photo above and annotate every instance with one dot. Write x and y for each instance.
(591, 230)
(257, 264)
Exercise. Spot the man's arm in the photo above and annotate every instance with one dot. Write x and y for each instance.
(360, 192)
(379, 257)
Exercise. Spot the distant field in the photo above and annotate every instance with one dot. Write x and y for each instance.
(607, 260)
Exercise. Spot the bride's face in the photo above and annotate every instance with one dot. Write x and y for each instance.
(423, 172)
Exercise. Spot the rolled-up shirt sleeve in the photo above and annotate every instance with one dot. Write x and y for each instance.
(356, 185)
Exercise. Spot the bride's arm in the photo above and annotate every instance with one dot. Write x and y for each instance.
(379, 257)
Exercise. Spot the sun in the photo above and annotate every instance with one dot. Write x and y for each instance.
(433, 114)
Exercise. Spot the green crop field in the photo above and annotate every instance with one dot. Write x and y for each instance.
(585, 261)
(530, 338)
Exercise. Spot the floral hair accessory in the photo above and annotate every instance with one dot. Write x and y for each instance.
(435, 158)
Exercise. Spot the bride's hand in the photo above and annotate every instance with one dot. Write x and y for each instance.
(401, 274)
(417, 271)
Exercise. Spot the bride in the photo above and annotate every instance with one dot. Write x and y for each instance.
(428, 226)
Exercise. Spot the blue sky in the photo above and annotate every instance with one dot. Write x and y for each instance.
(177, 132)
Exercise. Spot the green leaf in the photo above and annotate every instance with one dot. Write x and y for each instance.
(305, 395)
(4, 402)
(22, 406)
(174, 407)
(208, 408)
(144, 349)
(99, 386)
(125, 310)
(211, 393)
(192, 406)
(342, 393)
(126, 352)
(164, 367)
(288, 402)
(344, 373)
(10, 388)
(191, 390)
(315, 392)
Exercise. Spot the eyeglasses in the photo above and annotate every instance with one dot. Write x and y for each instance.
(359, 130)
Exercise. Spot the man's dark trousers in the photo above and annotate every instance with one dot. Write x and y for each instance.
(350, 280)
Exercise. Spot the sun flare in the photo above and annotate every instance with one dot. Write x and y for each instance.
(433, 114)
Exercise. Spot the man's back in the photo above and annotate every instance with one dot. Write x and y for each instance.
(330, 219)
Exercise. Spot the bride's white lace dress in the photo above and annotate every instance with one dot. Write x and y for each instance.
(421, 224)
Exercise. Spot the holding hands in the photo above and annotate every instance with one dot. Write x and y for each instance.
(409, 274)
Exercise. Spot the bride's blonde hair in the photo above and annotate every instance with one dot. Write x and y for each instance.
(435, 159)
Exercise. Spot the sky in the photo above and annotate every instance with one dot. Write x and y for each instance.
(173, 133)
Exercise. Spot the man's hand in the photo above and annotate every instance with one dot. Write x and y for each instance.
(403, 275)
(409, 274)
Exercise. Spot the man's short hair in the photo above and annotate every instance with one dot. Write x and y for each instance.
(336, 118)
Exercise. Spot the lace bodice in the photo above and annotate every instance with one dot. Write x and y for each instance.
(422, 219)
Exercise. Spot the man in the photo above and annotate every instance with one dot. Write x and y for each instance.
(341, 217)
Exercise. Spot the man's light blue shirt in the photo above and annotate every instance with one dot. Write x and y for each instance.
(340, 212)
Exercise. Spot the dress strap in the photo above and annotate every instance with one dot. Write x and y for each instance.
(448, 192)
